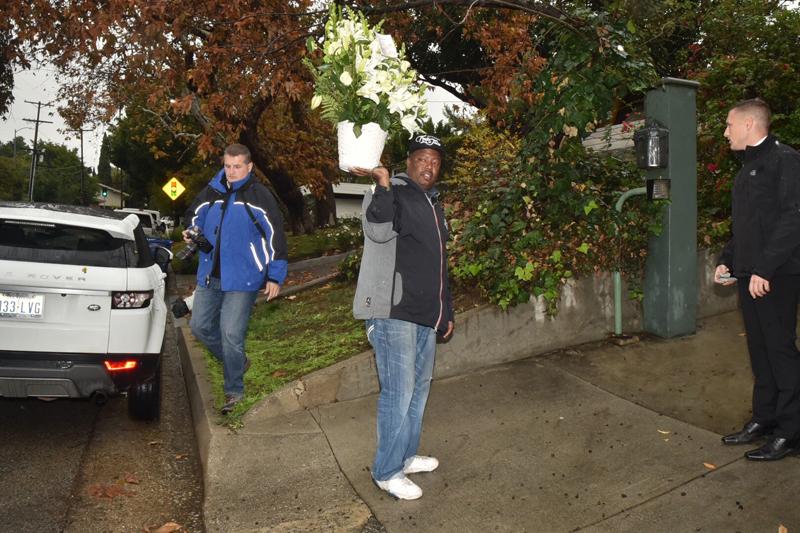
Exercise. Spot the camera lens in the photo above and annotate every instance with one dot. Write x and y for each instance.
(187, 252)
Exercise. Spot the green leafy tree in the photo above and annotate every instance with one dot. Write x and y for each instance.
(748, 49)
(147, 159)
(104, 163)
(531, 207)
(6, 71)
(14, 147)
(13, 176)
(58, 174)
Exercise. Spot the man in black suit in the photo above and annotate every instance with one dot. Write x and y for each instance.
(763, 256)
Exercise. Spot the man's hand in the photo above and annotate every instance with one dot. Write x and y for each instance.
(450, 328)
(720, 272)
(186, 238)
(379, 174)
(758, 286)
(272, 290)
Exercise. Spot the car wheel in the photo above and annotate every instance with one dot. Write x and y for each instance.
(144, 398)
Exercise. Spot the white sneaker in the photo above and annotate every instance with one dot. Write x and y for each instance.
(401, 488)
(420, 463)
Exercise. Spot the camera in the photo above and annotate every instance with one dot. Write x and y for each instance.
(199, 241)
(182, 306)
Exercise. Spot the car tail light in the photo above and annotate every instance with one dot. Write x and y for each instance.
(130, 299)
(116, 366)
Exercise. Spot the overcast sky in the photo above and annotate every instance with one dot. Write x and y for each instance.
(40, 85)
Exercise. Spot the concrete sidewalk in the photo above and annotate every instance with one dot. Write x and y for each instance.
(593, 438)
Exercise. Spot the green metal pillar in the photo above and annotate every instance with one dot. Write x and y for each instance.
(670, 286)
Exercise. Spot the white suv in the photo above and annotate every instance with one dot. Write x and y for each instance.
(82, 309)
(151, 221)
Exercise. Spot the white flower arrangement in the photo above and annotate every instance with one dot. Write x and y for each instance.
(363, 78)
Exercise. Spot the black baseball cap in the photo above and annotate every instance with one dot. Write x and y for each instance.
(418, 142)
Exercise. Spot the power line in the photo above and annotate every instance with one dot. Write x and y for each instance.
(34, 158)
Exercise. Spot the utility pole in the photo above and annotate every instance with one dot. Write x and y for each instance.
(35, 155)
(83, 195)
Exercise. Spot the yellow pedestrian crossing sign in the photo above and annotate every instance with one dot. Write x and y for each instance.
(173, 188)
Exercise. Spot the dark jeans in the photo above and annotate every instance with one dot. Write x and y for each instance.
(771, 326)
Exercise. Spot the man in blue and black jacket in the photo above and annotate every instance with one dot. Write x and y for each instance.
(404, 296)
(241, 220)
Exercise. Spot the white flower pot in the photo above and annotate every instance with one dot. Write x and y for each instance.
(364, 151)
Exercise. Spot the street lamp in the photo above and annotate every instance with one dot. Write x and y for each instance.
(14, 156)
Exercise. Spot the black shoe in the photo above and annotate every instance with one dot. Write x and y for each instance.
(750, 432)
(776, 448)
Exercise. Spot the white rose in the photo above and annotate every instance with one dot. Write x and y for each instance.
(346, 79)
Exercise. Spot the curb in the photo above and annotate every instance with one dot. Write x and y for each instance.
(314, 262)
(201, 398)
(352, 378)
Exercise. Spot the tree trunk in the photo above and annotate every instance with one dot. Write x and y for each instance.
(325, 207)
(285, 188)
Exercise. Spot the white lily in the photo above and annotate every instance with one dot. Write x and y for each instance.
(356, 56)
(409, 122)
(370, 91)
(386, 42)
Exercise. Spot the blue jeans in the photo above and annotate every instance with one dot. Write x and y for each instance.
(404, 354)
(219, 320)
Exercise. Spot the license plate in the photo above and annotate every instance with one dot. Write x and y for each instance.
(18, 305)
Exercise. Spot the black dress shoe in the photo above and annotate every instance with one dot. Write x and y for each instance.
(776, 448)
(750, 432)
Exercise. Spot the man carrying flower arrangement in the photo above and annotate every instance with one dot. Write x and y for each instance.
(404, 296)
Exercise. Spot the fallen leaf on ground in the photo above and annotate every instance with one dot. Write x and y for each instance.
(663, 431)
(710, 466)
(169, 527)
(292, 297)
(131, 478)
(279, 374)
(182, 456)
(155, 443)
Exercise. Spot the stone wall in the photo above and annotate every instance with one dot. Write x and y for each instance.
(487, 336)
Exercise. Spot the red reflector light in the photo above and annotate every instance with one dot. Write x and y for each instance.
(115, 366)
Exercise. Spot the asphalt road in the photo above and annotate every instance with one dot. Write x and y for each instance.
(72, 466)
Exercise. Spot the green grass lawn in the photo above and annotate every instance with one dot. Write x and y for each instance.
(345, 236)
(290, 338)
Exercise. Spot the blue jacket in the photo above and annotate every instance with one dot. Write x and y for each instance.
(248, 256)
